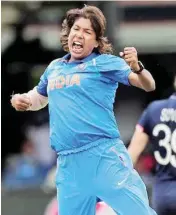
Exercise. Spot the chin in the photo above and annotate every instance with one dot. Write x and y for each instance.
(77, 56)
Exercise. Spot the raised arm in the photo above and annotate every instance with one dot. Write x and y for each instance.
(140, 78)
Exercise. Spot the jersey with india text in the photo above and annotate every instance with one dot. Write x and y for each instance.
(81, 96)
(159, 122)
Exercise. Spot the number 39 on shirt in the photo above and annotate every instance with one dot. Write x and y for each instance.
(168, 142)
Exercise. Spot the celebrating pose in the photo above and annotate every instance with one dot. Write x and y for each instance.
(80, 89)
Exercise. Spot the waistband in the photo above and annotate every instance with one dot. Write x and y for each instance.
(87, 146)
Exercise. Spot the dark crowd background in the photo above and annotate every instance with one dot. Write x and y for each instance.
(30, 41)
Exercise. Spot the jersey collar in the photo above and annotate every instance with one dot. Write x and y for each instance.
(88, 58)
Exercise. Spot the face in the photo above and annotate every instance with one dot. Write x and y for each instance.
(82, 39)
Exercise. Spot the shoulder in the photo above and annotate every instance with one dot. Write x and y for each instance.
(157, 105)
(110, 60)
(54, 62)
(52, 65)
(108, 57)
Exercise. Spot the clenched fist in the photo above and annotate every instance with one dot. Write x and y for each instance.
(20, 102)
(130, 56)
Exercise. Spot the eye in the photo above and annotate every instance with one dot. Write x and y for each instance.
(88, 32)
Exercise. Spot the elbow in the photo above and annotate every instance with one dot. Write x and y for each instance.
(151, 87)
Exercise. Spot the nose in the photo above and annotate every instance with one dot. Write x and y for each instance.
(79, 35)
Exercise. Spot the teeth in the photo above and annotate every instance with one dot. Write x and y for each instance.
(77, 43)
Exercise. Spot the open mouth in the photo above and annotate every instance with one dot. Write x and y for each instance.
(77, 47)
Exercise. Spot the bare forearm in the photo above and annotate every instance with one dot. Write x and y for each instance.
(138, 78)
(135, 152)
(146, 80)
(137, 144)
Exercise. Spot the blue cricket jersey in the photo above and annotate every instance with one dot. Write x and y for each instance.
(159, 122)
(80, 97)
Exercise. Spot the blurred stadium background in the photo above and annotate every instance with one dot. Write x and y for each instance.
(29, 41)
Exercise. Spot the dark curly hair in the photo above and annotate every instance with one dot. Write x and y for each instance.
(98, 22)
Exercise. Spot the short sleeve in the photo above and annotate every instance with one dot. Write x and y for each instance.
(144, 120)
(114, 68)
(42, 85)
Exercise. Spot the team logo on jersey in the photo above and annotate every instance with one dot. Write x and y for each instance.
(81, 66)
(63, 81)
